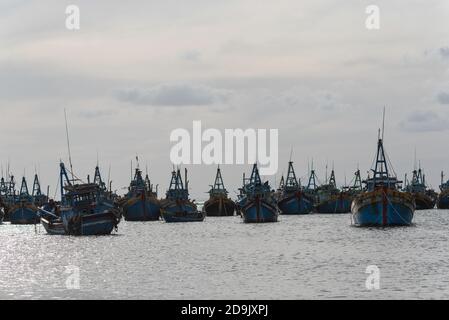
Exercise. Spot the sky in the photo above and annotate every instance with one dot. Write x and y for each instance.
(137, 70)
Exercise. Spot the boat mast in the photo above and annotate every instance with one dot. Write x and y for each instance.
(68, 145)
(292, 181)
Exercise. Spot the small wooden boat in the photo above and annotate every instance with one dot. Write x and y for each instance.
(177, 207)
(382, 203)
(140, 203)
(259, 203)
(293, 199)
(219, 203)
(424, 198)
(443, 197)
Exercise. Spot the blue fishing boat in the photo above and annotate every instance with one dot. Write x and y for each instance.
(443, 197)
(23, 210)
(258, 203)
(84, 209)
(177, 207)
(293, 199)
(425, 198)
(219, 203)
(330, 199)
(141, 203)
(382, 203)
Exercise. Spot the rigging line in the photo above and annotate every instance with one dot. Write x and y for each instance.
(68, 142)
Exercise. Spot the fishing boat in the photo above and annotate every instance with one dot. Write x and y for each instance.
(177, 207)
(258, 203)
(84, 209)
(141, 203)
(293, 199)
(23, 210)
(330, 199)
(382, 203)
(443, 197)
(219, 203)
(39, 198)
(51, 218)
(424, 198)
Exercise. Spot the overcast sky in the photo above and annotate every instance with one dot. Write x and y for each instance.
(136, 70)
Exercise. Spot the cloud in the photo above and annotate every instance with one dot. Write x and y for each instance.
(192, 56)
(444, 52)
(421, 121)
(174, 95)
(95, 113)
(443, 98)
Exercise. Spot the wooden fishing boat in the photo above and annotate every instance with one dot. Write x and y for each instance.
(177, 207)
(258, 204)
(219, 203)
(330, 199)
(293, 199)
(424, 198)
(84, 209)
(140, 203)
(443, 197)
(382, 203)
(23, 210)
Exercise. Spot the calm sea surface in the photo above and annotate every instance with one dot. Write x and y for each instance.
(313, 256)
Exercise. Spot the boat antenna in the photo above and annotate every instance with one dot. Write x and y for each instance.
(383, 124)
(68, 144)
(291, 153)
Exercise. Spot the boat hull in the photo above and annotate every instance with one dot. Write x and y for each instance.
(443, 200)
(90, 224)
(176, 211)
(383, 207)
(217, 207)
(336, 204)
(53, 227)
(23, 214)
(137, 209)
(259, 211)
(423, 201)
(297, 203)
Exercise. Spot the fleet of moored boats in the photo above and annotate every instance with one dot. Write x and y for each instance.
(91, 208)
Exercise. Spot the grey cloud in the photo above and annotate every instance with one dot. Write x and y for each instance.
(96, 113)
(421, 121)
(174, 95)
(192, 56)
(443, 98)
(444, 52)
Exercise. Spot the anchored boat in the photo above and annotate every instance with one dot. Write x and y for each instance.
(330, 199)
(424, 198)
(443, 197)
(293, 199)
(258, 203)
(177, 207)
(382, 203)
(141, 203)
(219, 203)
(84, 209)
(23, 210)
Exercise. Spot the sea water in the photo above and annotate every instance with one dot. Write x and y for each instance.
(314, 256)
